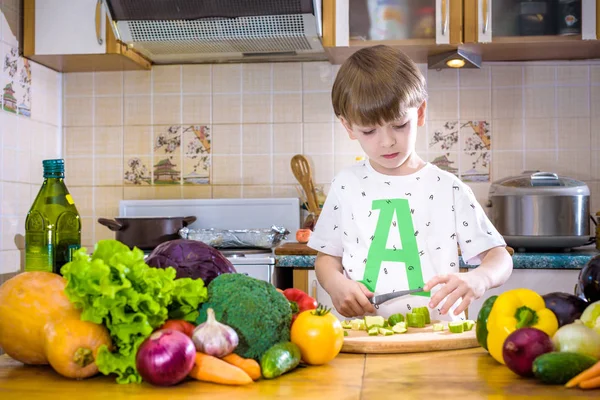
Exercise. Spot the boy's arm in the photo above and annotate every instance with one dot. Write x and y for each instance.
(495, 269)
(349, 298)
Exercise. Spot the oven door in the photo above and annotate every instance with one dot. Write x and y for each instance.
(264, 272)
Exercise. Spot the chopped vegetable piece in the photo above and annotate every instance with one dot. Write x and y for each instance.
(345, 333)
(358, 325)
(400, 327)
(373, 331)
(346, 324)
(468, 325)
(456, 327)
(438, 327)
(415, 320)
(395, 318)
(424, 311)
(386, 332)
(372, 321)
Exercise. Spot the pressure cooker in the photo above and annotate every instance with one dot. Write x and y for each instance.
(541, 210)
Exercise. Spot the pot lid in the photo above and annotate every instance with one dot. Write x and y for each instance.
(539, 182)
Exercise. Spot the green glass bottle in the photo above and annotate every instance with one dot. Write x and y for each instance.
(53, 225)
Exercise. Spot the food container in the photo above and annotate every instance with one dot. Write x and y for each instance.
(146, 233)
(541, 210)
(265, 238)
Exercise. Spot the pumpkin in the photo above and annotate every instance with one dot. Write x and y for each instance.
(29, 301)
(72, 346)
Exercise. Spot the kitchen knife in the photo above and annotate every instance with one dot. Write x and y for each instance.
(382, 298)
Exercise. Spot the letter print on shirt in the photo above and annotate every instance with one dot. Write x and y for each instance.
(408, 254)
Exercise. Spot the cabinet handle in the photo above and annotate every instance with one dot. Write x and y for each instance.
(99, 22)
(313, 289)
(444, 17)
(486, 16)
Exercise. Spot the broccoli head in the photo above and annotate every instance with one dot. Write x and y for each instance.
(259, 314)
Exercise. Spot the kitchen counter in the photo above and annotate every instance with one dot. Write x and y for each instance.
(574, 259)
(461, 374)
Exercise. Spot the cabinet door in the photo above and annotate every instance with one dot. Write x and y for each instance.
(517, 21)
(316, 291)
(65, 27)
(541, 281)
(360, 22)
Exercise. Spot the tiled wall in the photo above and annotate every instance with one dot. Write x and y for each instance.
(245, 122)
(29, 133)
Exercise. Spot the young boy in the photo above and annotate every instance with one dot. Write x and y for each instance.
(394, 222)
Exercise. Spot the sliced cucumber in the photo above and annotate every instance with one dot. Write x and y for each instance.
(456, 327)
(468, 325)
(438, 327)
(415, 320)
(374, 321)
(358, 325)
(374, 331)
(386, 332)
(425, 312)
(395, 318)
(345, 333)
(346, 324)
(400, 327)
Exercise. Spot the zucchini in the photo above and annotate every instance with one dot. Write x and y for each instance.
(279, 359)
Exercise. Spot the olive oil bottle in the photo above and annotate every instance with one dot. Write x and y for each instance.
(53, 225)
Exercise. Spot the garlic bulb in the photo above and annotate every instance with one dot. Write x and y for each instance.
(214, 338)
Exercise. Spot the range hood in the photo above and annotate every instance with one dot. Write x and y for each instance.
(217, 31)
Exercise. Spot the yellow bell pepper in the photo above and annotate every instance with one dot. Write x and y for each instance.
(515, 309)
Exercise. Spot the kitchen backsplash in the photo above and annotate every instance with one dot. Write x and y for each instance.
(30, 131)
(201, 131)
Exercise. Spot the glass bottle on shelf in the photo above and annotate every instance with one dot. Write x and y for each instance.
(53, 225)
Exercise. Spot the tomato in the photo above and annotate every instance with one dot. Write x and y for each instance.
(179, 325)
(319, 335)
(303, 235)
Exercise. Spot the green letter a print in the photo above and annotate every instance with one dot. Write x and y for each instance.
(408, 254)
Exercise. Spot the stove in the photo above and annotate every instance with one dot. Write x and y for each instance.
(229, 214)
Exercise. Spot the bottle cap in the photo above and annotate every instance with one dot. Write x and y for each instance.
(54, 168)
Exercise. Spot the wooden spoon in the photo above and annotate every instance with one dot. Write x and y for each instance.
(302, 172)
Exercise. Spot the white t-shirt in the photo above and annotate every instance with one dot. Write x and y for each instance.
(397, 232)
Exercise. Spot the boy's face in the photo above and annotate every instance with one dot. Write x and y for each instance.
(389, 145)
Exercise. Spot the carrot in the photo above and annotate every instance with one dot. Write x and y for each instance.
(591, 372)
(593, 383)
(212, 369)
(250, 366)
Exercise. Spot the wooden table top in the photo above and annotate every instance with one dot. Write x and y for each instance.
(459, 374)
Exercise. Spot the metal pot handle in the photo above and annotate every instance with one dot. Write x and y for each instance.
(189, 220)
(110, 224)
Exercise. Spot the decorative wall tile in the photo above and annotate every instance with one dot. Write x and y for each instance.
(166, 169)
(196, 161)
(443, 136)
(167, 139)
(137, 171)
(447, 161)
(476, 145)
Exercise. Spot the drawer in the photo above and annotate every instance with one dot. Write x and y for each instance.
(262, 272)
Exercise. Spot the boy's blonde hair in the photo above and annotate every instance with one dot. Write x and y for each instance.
(377, 85)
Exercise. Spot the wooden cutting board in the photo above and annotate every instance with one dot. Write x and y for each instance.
(413, 341)
(294, 249)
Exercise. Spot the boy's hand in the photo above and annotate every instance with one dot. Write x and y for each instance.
(351, 299)
(466, 285)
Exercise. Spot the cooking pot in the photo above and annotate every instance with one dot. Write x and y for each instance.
(146, 233)
(541, 210)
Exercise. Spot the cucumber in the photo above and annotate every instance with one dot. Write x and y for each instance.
(357, 325)
(279, 359)
(400, 327)
(346, 324)
(386, 332)
(374, 331)
(395, 318)
(374, 321)
(438, 327)
(481, 328)
(415, 320)
(423, 311)
(557, 368)
(468, 325)
(456, 327)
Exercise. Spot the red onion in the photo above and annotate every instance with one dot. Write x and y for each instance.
(165, 358)
(522, 347)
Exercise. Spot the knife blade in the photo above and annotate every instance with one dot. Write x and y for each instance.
(382, 298)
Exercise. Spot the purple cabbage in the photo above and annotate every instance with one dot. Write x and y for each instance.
(191, 259)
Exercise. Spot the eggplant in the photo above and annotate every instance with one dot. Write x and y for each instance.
(565, 306)
(589, 280)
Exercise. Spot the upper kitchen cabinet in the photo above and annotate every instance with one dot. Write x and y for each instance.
(506, 30)
(416, 26)
(75, 36)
